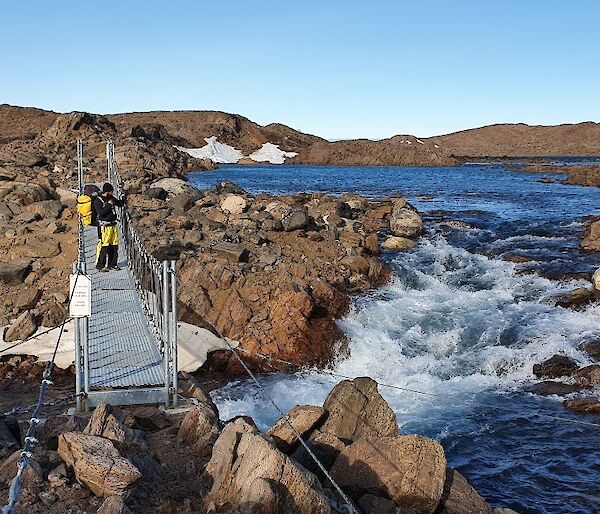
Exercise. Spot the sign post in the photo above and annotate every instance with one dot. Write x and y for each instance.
(81, 296)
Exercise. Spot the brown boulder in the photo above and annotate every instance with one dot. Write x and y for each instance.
(200, 428)
(39, 245)
(97, 464)
(28, 298)
(550, 387)
(591, 242)
(371, 504)
(104, 423)
(355, 409)
(303, 418)
(326, 447)
(586, 405)
(46, 209)
(555, 367)
(461, 497)
(592, 348)
(409, 470)
(295, 220)
(250, 475)
(22, 328)
(588, 376)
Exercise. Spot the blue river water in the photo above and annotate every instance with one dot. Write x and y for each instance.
(463, 324)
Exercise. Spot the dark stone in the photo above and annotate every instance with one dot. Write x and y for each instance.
(156, 192)
(556, 366)
(592, 348)
(14, 272)
(182, 202)
(549, 387)
(295, 220)
(231, 251)
(227, 187)
(272, 225)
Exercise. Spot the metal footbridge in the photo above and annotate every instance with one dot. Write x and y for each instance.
(126, 349)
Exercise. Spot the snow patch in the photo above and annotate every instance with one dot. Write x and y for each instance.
(271, 153)
(419, 141)
(221, 153)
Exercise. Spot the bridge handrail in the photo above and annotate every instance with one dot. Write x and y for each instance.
(155, 281)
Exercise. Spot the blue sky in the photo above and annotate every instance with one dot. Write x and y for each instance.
(338, 69)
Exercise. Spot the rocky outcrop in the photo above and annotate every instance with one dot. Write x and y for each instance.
(97, 464)
(272, 273)
(356, 410)
(409, 470)
(249, 474)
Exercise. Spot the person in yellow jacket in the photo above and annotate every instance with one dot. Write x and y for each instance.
(108, 242)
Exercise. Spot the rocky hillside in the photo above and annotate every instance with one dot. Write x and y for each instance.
(23, 122)
(192, 127)
(521, 140)
(395, 151)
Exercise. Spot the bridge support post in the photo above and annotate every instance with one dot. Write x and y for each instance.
(173, 325)
(165, 327)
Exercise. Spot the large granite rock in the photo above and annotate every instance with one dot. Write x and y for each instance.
(409, 470)
(98, 464)
(303, 418)
(355, 409)
(250, 475)
(405, 220)
(200, 427)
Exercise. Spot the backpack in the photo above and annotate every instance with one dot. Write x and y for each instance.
(84, 208)
(84, 203)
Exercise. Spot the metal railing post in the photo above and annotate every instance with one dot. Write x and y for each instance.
(173, 324)
(77, 342)
(165, 326)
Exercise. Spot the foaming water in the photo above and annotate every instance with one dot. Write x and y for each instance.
(464, 327)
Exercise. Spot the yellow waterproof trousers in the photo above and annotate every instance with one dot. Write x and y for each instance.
(109, 237)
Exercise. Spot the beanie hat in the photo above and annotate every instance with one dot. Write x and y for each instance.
(106, 188)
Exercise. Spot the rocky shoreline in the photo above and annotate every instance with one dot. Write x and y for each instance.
(146, 459)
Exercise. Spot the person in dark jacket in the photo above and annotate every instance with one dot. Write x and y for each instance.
(100, 200)
(108, 242)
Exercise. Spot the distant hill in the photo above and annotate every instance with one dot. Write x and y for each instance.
(520, 140)
(190, 129)
(235, 130)
(23, 122)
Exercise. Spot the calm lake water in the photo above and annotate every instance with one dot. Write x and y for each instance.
(460, 322)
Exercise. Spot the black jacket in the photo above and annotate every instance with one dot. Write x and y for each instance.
(99, 203)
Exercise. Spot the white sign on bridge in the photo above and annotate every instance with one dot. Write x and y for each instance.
(81, 296)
